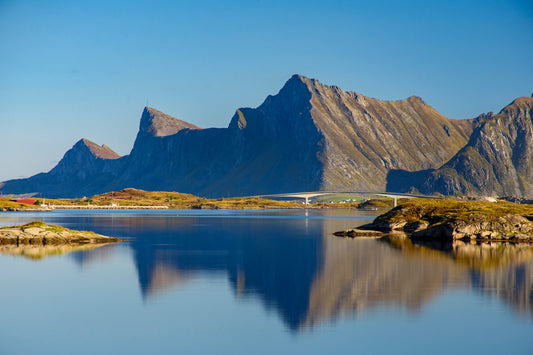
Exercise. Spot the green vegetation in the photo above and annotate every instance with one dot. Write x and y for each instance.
(36, 240)
(454, 220)
(433, 211)
(7, 205)
(45, 227)
(380, 203)
(39, 233)
(174, 200)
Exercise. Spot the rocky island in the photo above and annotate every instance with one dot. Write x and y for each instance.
(453, 220)
(39, 233)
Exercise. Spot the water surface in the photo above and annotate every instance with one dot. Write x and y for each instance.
(260, 282)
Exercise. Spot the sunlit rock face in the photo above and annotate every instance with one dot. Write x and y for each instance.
(308, 137)
(497, 161)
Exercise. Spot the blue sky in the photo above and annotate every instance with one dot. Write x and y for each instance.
(85, 69)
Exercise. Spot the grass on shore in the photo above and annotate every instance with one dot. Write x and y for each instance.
(174, 200)
(6, 204)
(431, 210)
(47, 227)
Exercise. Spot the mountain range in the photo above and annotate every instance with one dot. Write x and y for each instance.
(308, 137)
(497, 161)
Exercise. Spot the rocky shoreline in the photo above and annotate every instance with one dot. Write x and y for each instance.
(452, 220)
(39, 233)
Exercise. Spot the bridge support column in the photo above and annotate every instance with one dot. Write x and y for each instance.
(395, 201)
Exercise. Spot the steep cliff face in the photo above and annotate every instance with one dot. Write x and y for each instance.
(307, 137)
(268, 149)
(86, 166)
(497, 161)
(366, 137)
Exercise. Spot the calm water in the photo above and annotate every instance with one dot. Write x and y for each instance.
(250, 282)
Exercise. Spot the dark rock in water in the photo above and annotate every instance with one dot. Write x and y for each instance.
(307, 137)
(352, 233)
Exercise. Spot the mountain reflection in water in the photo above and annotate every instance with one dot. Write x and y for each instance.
(309, 276)
(265, 258)
(296, 268)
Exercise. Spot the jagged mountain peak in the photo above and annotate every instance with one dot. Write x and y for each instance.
(522, 103)
(312, 84)
(297, 83)
(159, 124)
(317, 88)
(102, 152)
(307, 137)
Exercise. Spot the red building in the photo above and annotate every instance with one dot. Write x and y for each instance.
(27, 201)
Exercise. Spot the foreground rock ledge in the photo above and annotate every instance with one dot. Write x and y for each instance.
(39, 233)
(454, 220)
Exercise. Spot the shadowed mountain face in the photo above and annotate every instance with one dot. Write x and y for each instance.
(307, 137)
(497, 161)
(86, 165)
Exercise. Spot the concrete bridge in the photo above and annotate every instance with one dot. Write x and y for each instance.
(308, 195)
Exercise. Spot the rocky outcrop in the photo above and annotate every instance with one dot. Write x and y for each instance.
(453, 220)
(308, 137)
(497, 161)
(480, 227)
(159, 124)
(99, 152)
(38, 233)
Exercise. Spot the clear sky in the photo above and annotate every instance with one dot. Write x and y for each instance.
(85, 69)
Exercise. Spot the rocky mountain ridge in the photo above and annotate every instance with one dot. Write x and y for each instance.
(497, 161)
(308, 137)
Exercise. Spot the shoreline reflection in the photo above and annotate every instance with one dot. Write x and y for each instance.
(39, 252)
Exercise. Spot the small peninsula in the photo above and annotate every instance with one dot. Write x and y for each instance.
(39, 233)
(453, 220)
